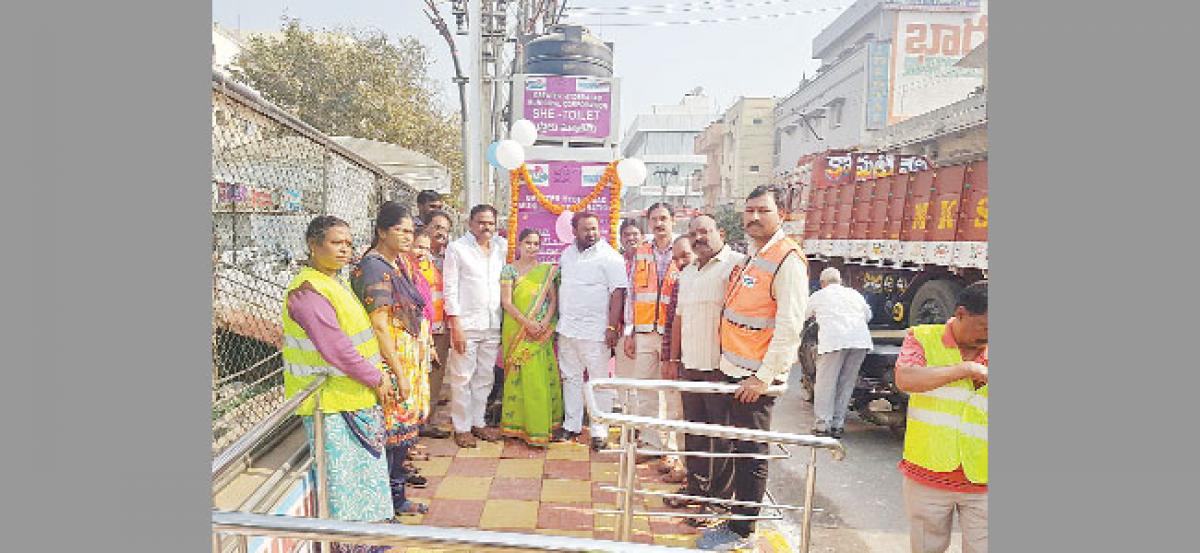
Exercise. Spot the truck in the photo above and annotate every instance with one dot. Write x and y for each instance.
(907, 235)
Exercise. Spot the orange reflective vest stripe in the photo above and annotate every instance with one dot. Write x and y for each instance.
(434, 277)
(748, 321)
(651, 291)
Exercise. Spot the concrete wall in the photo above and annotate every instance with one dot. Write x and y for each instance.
(748, 151)
(844, 81)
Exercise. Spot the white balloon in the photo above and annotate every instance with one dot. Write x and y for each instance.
(631, 171)
(524, 132)
(510, 154)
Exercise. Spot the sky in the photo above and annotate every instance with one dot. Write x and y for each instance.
(656, 65)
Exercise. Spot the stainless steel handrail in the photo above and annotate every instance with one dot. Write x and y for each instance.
(248, 524)
(239, 449)
(835, 447)
(626, 476)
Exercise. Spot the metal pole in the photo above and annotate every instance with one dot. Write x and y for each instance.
(322, 467)
(625, 432)
(625, 527)
(810, 489)
(471, 148)
(319, 451)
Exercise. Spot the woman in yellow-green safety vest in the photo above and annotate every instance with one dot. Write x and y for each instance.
(326, 331)
(944, 369)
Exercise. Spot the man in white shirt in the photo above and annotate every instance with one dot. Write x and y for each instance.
(699, 299)
(590, 301)
(843, 341)
(472, 292)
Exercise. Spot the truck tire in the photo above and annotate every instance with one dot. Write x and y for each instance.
(808, 360)
(934, 302)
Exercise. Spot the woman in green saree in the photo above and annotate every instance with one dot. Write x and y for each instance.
(533, 406)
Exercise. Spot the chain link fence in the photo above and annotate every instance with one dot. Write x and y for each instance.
(271, 174)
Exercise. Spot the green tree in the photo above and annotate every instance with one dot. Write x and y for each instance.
(356, 83)
(730, 221)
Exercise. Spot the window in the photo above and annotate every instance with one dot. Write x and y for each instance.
(756, 121)
(835, 112)
(754, 169)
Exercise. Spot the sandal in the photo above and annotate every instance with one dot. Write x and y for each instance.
(679, 502)
(464, 439)
(412, 508)
(416, 481)
(418, 456)
(676, 476)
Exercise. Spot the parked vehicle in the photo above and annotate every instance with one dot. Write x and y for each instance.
(875, 399)
(906, 235)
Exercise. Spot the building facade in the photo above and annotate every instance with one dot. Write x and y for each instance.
(949, 135)
(739, 147)
(664, 140)
(883, 61)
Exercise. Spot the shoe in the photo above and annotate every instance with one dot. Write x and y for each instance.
(416, 481)
(486, 434)
(705, 522)
(598, 444)
(836, 433)
(820, 433)
(642, 458)
(431, 431)
(676, 476)
(464, 439)
(412, 508)
(721, 538)
(681, 503)
(563, 435)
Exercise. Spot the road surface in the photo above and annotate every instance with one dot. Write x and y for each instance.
(863, 510)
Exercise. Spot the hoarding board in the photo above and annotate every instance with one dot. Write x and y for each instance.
(568, 107)
(878, 56)
(563, 183)
(927, 45)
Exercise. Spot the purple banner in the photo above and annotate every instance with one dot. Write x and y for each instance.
(569, 107)
(563, 183)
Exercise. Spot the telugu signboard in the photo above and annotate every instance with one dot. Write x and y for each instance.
(563, 183)
(568, 107)
(927, 47)
(878, 56)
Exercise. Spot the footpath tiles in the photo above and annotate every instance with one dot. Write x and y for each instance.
(511, 487)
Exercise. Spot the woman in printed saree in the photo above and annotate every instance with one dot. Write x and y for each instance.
(327, 332)
(533, 405)
(384, 281)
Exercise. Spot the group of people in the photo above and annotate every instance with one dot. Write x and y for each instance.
(419, 309)
(378, 339)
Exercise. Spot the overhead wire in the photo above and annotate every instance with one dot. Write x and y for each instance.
(681, 7)
(729, 19)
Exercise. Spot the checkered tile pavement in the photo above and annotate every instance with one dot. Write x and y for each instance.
(510, 487)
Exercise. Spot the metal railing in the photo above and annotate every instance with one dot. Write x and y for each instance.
(626, 475)
(455, 539)
(244, 524)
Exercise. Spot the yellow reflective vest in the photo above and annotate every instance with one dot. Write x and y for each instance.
(302, 363)
(947, 426)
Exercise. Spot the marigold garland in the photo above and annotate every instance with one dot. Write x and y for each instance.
(521, 175)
